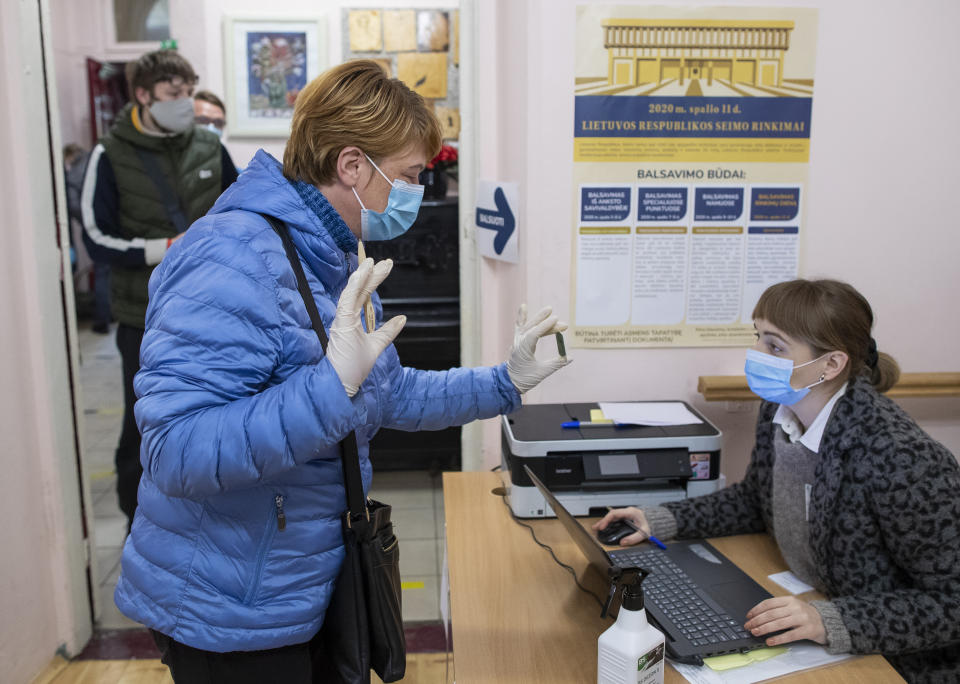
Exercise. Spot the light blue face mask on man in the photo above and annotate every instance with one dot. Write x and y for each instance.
(769, 377)
(400, 213)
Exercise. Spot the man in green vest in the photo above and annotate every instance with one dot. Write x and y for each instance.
(147, 180)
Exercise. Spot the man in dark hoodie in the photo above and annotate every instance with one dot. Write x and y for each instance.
(147, 180)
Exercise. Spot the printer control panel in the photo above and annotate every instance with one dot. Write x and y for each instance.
(601, 467)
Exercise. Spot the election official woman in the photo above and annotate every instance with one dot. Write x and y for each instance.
(236, 543)
(862, 503)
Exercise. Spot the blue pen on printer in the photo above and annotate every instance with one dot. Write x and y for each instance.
(653, 540)
(574, 424)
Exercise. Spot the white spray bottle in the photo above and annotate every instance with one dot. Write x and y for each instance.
(631, 651)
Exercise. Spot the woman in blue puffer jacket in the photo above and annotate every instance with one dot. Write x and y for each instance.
(240, 410)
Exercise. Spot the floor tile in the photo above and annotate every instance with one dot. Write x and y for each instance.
(106, 506)
(108, 559)
(403, 479)
(414, 523)
(101, 482)
(113, 576)
(404, 497)
(421, 603)
(110, 615)
(418, 557)
(110, 531)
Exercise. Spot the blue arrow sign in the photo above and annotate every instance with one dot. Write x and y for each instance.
(500, 220)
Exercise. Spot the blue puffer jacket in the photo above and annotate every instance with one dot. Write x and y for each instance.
(241, 416)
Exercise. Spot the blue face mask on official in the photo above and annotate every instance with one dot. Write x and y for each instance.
(769, 377)
(400, 213)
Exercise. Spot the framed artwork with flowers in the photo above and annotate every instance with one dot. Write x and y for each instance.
(267, 63)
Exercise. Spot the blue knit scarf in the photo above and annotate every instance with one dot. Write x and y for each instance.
(328, 216)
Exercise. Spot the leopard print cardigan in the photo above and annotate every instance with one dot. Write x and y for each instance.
(884, 529)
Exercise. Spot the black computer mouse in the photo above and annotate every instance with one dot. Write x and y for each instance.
(614, 532)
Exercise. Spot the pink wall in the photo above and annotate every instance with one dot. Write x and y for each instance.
(880, 207)
(43, 602)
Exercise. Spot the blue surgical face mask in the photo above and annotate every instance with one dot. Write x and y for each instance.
(769, 377)
(402, 208)
(213, 129)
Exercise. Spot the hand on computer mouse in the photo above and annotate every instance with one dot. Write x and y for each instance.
(631, 514)
(614, 532)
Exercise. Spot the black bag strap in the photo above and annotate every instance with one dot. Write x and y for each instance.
(349, 452)
(171, 203)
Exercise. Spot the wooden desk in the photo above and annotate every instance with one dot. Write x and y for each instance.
(517, 616)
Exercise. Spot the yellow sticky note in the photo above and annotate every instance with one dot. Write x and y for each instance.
(733, 660)
(411, 585)
(761, 654)
(596, 416)
(726, 662)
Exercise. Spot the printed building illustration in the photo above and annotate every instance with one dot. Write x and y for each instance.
(707, 56)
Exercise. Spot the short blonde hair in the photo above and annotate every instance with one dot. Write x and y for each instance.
(355, 103)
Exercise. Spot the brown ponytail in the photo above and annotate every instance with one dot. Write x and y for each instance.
(829, 315)
(885, 374)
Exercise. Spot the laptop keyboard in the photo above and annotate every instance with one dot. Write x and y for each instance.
(681, 601)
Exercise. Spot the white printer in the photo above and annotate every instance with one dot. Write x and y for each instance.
(591, 468)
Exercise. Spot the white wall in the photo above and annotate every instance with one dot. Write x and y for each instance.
(43, 600)
(880, 204)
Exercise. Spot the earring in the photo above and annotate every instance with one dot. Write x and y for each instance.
(822, 376)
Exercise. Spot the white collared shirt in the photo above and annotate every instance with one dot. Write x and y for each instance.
(788, 421)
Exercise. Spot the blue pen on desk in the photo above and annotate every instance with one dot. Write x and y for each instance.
(657, 542)
(575, 424)
(653, 540)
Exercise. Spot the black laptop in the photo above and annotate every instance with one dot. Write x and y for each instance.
(696, 596)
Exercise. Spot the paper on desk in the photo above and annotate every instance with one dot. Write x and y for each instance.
(790, 582)
(800, 655)
(648, 413)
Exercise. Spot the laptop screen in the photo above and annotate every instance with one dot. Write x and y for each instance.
(590, 547)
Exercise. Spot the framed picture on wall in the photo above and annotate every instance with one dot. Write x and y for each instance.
(267, 62)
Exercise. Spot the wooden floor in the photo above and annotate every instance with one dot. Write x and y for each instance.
(422, 668)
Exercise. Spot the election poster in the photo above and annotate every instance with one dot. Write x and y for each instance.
(691, 150)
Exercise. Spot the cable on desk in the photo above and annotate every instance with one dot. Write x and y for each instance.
(563, 565)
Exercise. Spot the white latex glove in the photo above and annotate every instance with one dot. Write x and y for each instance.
(525, 371)
(352, 351)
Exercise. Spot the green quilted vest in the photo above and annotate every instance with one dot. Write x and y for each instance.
(191, 163)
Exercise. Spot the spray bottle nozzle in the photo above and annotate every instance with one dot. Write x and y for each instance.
(630, 579)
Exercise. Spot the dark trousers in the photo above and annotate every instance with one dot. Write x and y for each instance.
(286, 665)
(101, 294)
(127, 458)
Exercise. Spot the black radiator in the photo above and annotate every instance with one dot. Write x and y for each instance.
(424, 286)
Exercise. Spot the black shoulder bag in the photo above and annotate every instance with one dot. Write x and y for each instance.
(363, 627)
